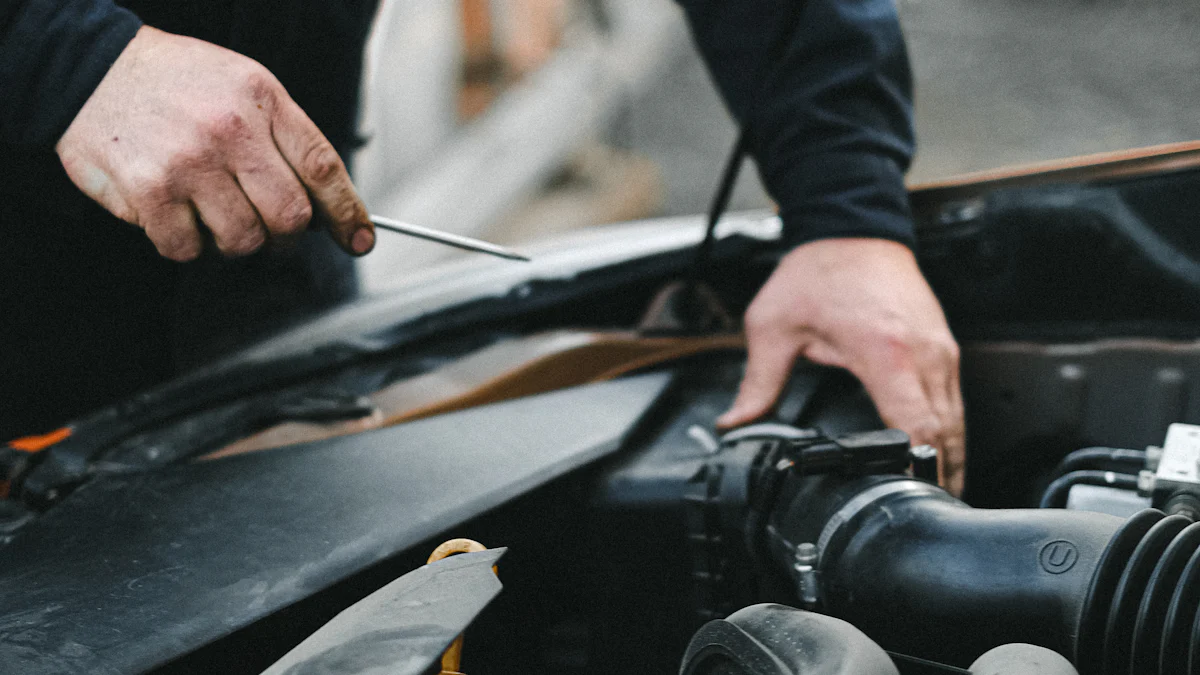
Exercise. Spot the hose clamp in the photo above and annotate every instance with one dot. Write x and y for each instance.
(862, 500)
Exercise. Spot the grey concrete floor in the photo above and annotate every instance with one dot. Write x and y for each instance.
(1009, 81)
(998, 82)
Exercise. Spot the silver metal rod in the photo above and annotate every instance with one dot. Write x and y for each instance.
(456, 240)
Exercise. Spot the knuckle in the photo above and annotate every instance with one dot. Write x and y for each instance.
(760, 319)
(895, 332)
(229, 125)
(244, 239)
(186, 252)
(321, 162)
(260, 84)
(167, 251)
(176, 246)
(187, 159)
(952, 460)
(895, 348)
(926, 431)
(349, 211)
(242, 246)
(126, 212)
(902, 343)
(754, 320)
(151, 190)
(294, 217)
(939, 349)
(952, 350)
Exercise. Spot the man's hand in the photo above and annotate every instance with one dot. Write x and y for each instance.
(862, 305)
(180, 128)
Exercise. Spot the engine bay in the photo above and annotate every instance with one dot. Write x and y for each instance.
(211, 525)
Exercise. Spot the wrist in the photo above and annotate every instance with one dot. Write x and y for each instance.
(98, 44)
(851, 251)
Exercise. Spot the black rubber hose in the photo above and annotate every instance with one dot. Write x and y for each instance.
(1120, 460)
(1152, 612)
(1123, 615)
(1056, 494)
(1143, 604)
(773, 639)
(923, 574)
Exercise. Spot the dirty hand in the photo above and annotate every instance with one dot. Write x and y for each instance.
(180, 128)
(862, 305)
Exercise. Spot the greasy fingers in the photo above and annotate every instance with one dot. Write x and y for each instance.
(235, 225)
(321, 169)
(179, 126)
(172, 229)
(275, 192)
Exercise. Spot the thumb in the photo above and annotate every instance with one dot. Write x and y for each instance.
(768, 366)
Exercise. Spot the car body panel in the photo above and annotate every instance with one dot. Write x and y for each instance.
(103, 583)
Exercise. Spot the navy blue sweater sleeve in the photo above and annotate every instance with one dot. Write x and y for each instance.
(53, 54)
(824, 90)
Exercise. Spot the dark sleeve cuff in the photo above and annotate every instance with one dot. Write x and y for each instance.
(53, 54)
(844, 195)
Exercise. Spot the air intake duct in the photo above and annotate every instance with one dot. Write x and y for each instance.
(1140, 613)
(923, 574)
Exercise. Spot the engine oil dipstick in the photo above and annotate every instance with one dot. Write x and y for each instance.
(447, 238)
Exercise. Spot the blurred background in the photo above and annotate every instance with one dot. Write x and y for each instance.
(515, 119)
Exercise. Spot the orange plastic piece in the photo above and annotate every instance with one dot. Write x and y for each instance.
(39, 443)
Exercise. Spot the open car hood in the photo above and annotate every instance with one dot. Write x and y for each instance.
(102, 583)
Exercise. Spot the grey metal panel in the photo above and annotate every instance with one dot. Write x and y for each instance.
(404, 627)
(133, 570)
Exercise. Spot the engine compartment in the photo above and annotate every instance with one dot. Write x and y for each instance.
(1078, 310)
(615, 567)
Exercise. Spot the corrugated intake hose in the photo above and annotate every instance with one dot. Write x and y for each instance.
(1140, 614)
(923, 574)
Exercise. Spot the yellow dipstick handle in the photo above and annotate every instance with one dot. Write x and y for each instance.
(452, 659)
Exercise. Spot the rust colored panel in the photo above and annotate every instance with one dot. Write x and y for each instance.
(533, 365)
(1085, 169)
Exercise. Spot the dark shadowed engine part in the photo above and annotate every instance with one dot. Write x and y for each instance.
(927, 576)
(770, 639)
(776, 640)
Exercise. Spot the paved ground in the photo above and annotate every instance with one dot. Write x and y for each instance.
(998, 82)
(1006, 81)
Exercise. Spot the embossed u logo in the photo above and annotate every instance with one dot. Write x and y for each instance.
(1058, 556)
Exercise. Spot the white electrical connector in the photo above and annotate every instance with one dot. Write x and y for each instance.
(1180, 460)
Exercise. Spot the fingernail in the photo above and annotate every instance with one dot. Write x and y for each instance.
(363, 240)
